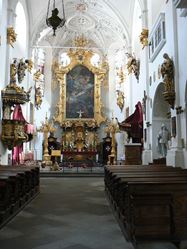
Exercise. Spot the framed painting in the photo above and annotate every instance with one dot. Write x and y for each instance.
(80, 93)
(80, 90)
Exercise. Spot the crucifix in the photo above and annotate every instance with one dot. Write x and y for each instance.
(80, 113)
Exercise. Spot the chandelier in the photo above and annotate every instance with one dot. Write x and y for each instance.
(54, 20)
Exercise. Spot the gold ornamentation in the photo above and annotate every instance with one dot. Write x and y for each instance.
(144, 37)
(38, 92)
(159, 72)
(133, 65)
(18, 68)
(80, 41)
(29, 65)
(38, 98)
(55, 67)
(11, 36)
(21, 70)
(120, 99)
(83, 57)
(167, 72)
(121, 75)
(13, 71)
(37, 75)
(113, 128)
(46, 128)
(13, 133)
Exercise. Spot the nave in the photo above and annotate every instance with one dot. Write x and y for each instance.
(68, 213)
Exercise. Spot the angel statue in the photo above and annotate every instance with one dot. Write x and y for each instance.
(144, 37)
(120, 99)
(133, 65)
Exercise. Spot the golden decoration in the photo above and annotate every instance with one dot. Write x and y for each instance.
(121, 75)
(46, 128)
(37, 75)
(167, 72)
(54, 67)
(13, 71)
(113, 128)
(11, 36)
(133, 65)
(80, 41)
(13, 133)
(159, 72)
(29, 65)
(38, 97)
(144, 38)
(83, 57)
(13, 94)
(120, 99)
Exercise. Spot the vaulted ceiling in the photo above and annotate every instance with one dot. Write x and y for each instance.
(104, 22)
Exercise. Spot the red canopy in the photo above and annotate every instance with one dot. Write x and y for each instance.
(134, 124)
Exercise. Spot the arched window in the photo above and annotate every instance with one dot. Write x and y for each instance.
(0, 8)
(137, 26)
(1, 1)
(21, 26)
(64, 59)
(95, 60)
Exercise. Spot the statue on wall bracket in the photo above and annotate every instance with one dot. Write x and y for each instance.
(11, 36)
(144, 38)
(80, 90)
(133, 65)
(167, 72)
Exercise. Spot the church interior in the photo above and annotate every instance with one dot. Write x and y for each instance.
(93, 124)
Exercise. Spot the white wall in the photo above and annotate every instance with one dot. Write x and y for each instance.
(3, 69)
(182, 41)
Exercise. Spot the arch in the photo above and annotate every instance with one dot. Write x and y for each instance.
(159, 116)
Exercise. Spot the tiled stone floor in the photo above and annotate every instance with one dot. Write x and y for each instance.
(68, 213)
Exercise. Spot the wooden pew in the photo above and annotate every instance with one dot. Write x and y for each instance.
(5, 198)
(19, 186)
(161, 204)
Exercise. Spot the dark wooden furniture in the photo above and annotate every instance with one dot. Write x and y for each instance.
(133, 154)
(18, 185)
(79, 156)
(149, 201)
(106, 149)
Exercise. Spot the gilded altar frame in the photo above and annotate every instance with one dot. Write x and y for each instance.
(82, 57)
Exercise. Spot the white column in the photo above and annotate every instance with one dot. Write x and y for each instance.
(175, 155)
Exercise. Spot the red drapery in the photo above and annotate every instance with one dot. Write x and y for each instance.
(134, 124)
(17, 151)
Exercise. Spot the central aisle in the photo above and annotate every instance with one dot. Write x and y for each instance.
(68, 213)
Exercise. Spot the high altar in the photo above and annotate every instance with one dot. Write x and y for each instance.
(79, 110)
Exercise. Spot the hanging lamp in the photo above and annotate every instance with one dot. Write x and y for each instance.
(54, 21)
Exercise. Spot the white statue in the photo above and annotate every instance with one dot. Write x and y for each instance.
(162, 138)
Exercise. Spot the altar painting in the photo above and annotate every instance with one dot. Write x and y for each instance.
(80, 93)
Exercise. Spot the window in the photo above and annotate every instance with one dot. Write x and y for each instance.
(64, 59)
(157, 37)
(95, 60)
(20, 26)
